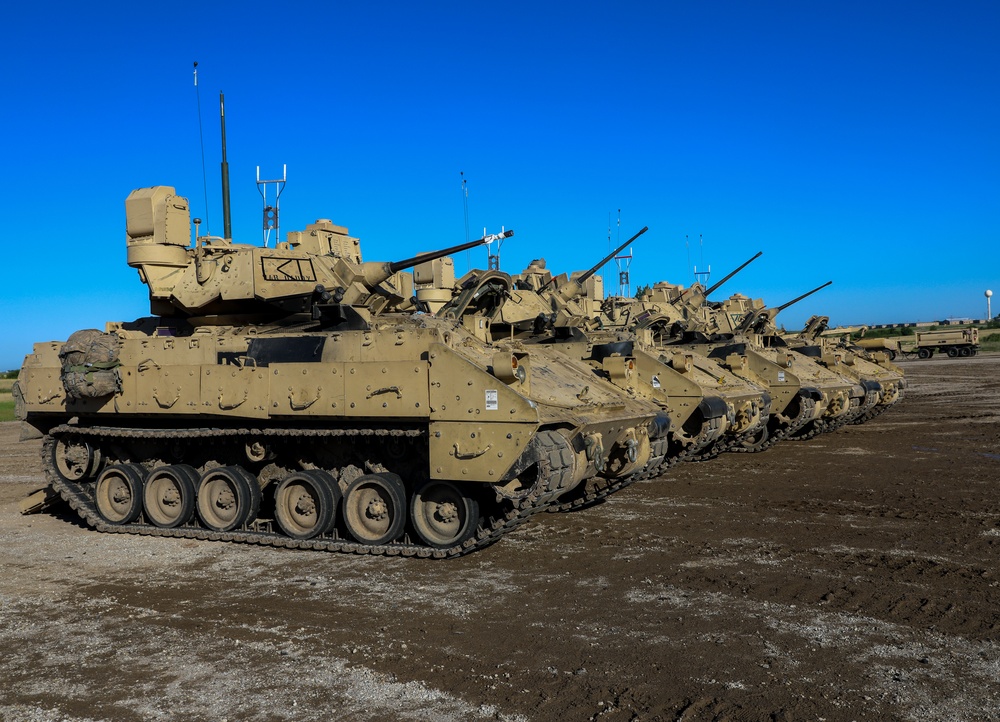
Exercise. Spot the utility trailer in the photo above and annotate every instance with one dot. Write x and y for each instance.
(954, 342)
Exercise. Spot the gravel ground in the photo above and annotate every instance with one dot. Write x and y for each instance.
(849, 577)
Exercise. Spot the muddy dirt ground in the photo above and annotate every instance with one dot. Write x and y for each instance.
(854, 576)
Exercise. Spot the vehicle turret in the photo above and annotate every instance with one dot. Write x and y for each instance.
(315, 271)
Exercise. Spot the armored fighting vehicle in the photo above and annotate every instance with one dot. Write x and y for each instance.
(704, 404)
(710, 407)
(870, 367)
(731, 334)
(299, 396)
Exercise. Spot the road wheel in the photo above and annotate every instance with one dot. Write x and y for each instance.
(228, 498)
(924, 353)
(168, 497)
(75, 459)
(953, 352)
(118, 493)
(375, 508)
(965, 351)
(443, 514)
(305, 504)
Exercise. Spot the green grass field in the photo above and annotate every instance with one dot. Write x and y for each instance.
(6, 400)
(989, 341)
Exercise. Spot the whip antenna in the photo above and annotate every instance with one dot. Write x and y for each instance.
(703, 276)
(201, 136)
(227, 224)
(465, 201)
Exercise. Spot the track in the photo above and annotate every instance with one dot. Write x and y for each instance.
(262, 531)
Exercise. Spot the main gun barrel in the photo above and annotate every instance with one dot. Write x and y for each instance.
(434, 255)
(716, 286)
(372, 273)
(583, 278)
(804, 295)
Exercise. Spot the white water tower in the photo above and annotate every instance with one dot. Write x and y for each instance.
(989, 313)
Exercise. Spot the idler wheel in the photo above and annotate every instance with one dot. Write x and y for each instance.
(168, 497)
(118, 493)
(228, 497)
(443, 514)
(375, 508)
(75, 459)
(305, 503)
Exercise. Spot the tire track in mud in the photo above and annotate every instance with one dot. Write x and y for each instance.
(892, 587)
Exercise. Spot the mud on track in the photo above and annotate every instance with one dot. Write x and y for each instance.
(849, 577)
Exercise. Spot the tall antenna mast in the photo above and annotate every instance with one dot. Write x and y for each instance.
(227, 225)
(609, 240)
(465, 203)
(201, 136)
(271, 212)
(494, 258)
(702, 276)
(624, 285)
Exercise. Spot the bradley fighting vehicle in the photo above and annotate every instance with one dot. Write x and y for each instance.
(874, 386)
(802, 391)
(297, 396)
(703, 403)
(521, 313)
(710, 407)
(869, 366)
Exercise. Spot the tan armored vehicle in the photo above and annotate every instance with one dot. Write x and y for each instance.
(873, 369)
(298, 396)
(709, 407)
(730, 333)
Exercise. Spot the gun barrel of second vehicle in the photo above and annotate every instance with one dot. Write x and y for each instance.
(783, 306)
(716, 286)
(581, 279)
(434, 255)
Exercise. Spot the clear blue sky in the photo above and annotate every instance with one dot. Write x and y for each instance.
(851, 141)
